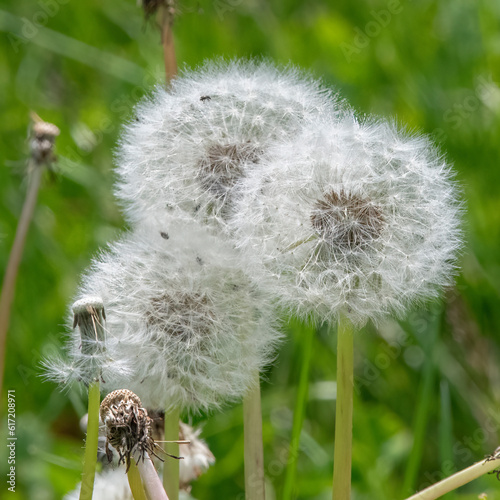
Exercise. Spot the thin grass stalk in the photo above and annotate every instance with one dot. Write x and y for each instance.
(135, 482)
(342, 457)
(456, 480)
(446, 429)
(171, 465)
(9, 281)
(90, 456)
(423, 408)
(254, 448)
(299, 412)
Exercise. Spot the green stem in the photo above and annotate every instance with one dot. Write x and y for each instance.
(90, 456)
(298, 415)
(135, 483)
(171, 465)
(254, 448)
(459, 479)
(343, 413)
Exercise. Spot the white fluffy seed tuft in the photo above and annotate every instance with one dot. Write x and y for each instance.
(181, 315)
(350, 217)
(188, 147)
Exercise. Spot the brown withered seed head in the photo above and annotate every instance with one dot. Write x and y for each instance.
(346, 220)
(43, 138)
(128, 426)
(222, 165)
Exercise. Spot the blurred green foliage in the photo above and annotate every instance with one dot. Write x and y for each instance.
(432, 64)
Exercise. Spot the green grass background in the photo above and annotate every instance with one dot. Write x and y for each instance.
(433, 380)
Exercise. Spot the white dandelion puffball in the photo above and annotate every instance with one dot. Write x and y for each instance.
(354, 218)
(191, 328)
(188, 147)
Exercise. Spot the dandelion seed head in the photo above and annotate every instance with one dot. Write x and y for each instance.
(183, 317)
(191, 145)
(351, 217)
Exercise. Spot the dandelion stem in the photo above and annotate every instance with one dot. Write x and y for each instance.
(90, 456)
(171, 465)
(9, 281)
(254, 449)
(150, 478)
(135, 483)
(456, 480)
(298, 415)
(167, 40)
(343, 414)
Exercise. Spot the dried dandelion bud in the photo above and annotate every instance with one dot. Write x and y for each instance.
(89, 316)
(128, 427)
(42, 143)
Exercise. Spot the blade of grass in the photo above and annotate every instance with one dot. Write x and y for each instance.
(307, 337)
(446, 431)
(423, 407)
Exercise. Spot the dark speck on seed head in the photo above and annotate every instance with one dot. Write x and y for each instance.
(204, 98)
(164, 235)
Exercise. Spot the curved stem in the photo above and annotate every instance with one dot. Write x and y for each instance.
(254, 448)
(9, 281)
(90, 456)
(459, 479)
(298, 414)
(343, 412)
(171, 465)
(150, 479)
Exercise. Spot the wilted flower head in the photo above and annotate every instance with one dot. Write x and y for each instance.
(189, 146)
(182, 317)
(127, 427)
(353, 218)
